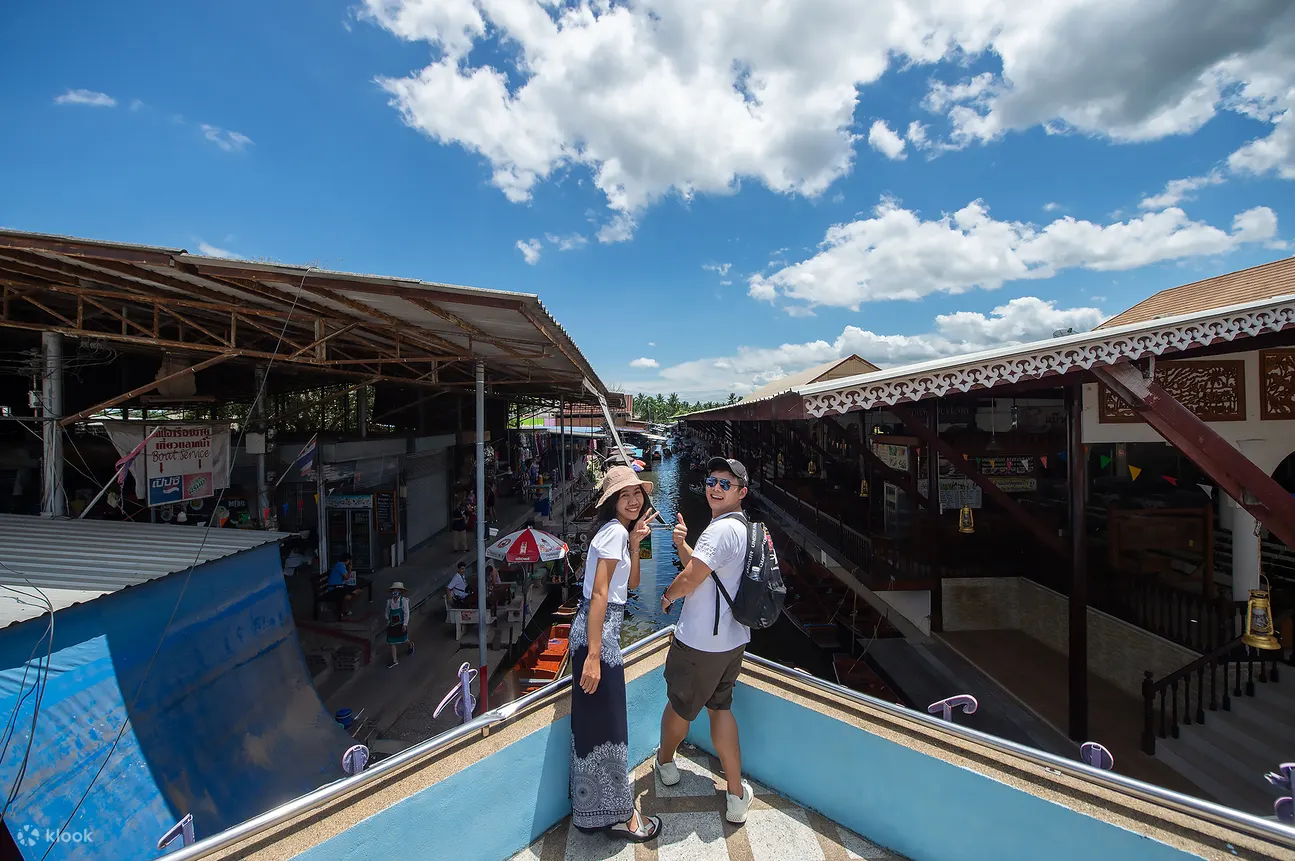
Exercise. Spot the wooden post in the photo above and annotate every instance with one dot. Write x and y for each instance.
(1077, 462)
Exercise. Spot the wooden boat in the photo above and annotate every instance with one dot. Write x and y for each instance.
(567, 610)
(548, 658)
(814, 623)
(854, 673)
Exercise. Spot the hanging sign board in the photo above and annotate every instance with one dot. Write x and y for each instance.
(180, 460)
(954, 492)
(361, 501)
(189, 461)
(893, 456)
(384, 506)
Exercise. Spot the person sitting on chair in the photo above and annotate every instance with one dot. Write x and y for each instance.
(341, 583)
(458, 585)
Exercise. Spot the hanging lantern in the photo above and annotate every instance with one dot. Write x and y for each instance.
(1259, 622)
(863, 488)
(966, 521)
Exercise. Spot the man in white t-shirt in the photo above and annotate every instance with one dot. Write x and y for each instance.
(706, 655)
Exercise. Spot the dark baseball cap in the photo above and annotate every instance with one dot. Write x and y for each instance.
(728, 464)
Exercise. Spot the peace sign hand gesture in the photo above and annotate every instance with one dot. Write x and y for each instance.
(643, 528)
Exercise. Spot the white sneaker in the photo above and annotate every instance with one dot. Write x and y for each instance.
(737, 807)
(668, 772)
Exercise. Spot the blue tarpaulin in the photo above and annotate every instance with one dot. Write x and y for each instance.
(227, 724)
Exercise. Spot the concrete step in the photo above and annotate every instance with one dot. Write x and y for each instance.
(1226, 788)
(1225, 749)
(1263, 718)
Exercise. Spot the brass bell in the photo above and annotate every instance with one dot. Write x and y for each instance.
(1259, 622)
(966, 522)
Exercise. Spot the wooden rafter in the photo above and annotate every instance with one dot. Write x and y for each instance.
(148, 387)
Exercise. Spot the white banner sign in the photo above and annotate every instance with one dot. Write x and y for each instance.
(188, 461)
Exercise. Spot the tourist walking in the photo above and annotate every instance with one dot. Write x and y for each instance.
(459, 525)
(706, 654)
(602, 797)
(398, 621)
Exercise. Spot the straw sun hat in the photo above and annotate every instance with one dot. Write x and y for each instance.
(617, 479)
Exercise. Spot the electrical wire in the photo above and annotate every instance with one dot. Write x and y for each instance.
(42, 678)
(189, 572)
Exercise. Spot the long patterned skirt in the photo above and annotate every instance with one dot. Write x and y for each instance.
(601, 793)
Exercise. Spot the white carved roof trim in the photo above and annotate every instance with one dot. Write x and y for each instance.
(1055, 356)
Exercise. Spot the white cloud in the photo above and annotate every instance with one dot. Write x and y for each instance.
(651, 343)
(1051, 207)
(229, 141)
(90, 98)
(212, 251)
(1178, 190)
(896, 254)
(619, 229)
(916, 135)
(530, 249)
(1274, 153)
(567, 243)
(721, 268)
(1020, 320)
(645, 363)
(886, 141)
(659, 97)
(136, 105)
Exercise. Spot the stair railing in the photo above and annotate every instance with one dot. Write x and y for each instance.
(1238, 664)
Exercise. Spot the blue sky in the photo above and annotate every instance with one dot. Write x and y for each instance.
(705, 195)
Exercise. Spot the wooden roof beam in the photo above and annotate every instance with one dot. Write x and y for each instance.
(147, 387)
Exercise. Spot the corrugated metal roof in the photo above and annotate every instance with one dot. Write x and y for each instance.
(524, 346)
(1249, 285)
(78, 560)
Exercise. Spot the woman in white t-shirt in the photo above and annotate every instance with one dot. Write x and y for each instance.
(602, 797)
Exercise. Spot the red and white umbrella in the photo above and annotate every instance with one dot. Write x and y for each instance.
(527, 545)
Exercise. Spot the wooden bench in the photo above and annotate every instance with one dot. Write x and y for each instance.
(324, 595)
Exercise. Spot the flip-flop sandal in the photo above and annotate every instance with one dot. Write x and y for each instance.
(649, 828)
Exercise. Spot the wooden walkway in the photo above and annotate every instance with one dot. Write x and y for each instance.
(693, 827)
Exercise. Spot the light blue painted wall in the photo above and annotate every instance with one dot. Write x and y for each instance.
(494, 808)
(924, 808)
(919, 806)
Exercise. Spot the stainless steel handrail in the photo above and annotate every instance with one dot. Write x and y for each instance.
(1216, 813)
(321, 796)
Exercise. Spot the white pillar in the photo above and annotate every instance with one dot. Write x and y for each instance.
(481, 530)
(1245, 553)
(53, 495)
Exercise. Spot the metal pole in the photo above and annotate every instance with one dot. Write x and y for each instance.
(562, 441)
(262, 486)
(53, 497)
(321, 513)
(362, 411)
(481, 531)
(1077, 481)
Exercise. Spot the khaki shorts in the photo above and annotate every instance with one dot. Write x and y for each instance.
(695, 679)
